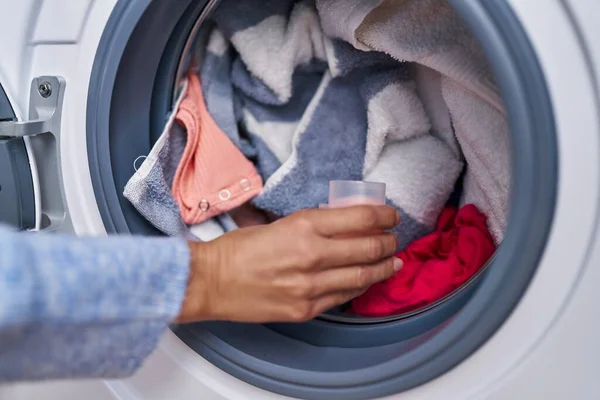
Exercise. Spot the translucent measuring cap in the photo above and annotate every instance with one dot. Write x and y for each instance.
(351, 193)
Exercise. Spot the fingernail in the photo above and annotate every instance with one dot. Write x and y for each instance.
(398, 263)
(397, 217)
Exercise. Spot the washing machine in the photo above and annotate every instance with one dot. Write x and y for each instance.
(84, 89)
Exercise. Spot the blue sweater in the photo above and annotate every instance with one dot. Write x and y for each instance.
(85, 307)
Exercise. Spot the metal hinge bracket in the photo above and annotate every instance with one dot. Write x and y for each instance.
(43, 129)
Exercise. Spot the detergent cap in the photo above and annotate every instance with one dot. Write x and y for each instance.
(352, 193)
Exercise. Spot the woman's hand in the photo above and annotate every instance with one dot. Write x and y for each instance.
(293, 269)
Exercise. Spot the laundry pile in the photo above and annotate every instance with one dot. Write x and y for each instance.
(309, 109)
(288, 95)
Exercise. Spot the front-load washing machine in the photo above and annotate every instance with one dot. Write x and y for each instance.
(85, 87)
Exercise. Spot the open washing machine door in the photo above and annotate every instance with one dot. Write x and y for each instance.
(527, 329)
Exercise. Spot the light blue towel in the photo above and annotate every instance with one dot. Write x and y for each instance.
(308, 109)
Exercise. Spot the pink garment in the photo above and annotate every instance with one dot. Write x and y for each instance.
(213, 176)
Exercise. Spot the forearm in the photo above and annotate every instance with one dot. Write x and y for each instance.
(85, 307)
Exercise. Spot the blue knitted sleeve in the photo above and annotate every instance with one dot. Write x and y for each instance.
(85, 307)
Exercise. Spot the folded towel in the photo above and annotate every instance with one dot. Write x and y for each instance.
(431, 33)
(307, 109)
(213, 176)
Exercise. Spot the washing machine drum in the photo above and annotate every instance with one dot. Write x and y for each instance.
(137, 65)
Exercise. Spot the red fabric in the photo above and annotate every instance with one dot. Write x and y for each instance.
(434, 265)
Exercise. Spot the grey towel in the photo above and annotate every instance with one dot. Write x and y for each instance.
(149, 189)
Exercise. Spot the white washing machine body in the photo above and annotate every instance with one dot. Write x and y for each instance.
(548, 347)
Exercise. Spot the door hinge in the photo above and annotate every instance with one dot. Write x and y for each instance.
(43, 130)
(45, 109)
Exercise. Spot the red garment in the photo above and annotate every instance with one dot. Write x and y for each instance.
(434, 265)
